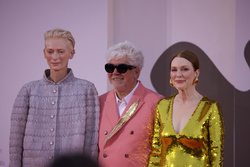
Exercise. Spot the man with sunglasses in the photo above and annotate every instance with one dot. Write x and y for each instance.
(127, 111)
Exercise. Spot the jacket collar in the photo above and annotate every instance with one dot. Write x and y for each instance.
(67, 78)
(112, 111)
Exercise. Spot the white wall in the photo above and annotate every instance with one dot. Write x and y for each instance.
(211, 25)
(144, 24)
(242, 36)
(220, 28)
(23, 24)
(208, 24)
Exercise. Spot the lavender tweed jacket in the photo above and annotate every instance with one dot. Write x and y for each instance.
(49, 119)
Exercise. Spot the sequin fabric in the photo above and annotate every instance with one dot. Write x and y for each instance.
(199, 144)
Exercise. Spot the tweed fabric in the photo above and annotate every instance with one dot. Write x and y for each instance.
(49, 119)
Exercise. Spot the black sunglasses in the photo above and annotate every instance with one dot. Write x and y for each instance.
(121, 68)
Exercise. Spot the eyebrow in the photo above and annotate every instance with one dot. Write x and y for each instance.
(181, 66)
(55, 49)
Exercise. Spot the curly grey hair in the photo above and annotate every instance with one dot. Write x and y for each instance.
(128, 50)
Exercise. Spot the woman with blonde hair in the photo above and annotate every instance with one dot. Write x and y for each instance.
(57, 114)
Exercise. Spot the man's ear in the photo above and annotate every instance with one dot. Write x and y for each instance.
(137, 71)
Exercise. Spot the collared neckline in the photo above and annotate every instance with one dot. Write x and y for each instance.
(67, 78)
(128, 97)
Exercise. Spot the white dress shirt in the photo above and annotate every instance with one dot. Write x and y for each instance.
(122, 103)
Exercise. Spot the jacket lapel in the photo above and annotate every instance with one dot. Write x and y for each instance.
(111, 108)
(138, 94)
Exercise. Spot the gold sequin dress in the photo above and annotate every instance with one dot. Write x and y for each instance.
(199, 144)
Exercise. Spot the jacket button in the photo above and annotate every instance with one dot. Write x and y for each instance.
(126, 155)
(105, 155)
(105, 133)
(132, 132)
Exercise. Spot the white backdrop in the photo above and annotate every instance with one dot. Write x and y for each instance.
(151, 25)
(23, 24)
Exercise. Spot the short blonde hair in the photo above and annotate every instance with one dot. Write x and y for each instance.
(60, 33)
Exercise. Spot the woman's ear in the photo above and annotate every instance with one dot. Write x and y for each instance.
(44, 54)
(197, 72)
(72, 53)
